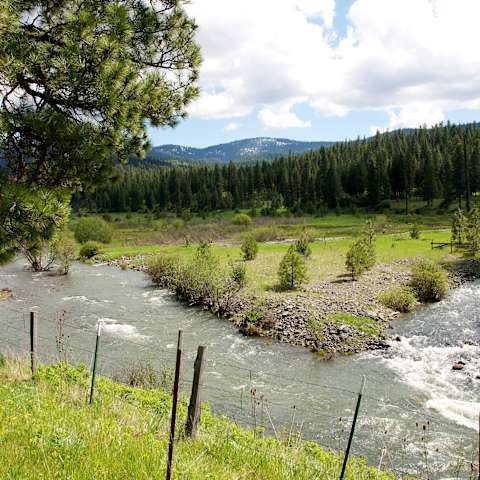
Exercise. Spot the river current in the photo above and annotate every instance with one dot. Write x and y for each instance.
(417, 414)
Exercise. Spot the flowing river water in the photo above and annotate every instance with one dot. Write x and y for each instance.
(417, 414)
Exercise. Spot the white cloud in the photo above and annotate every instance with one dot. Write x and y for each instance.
(413, 115)
(231, 126)
(281, 116)
(414, 59)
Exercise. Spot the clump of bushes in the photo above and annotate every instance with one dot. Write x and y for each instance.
(255, 321)
(292, 273)
(249, 248)
(63, 251)
(92, 228)
(238, 274)
(164, 271)
(268, 234)
(90, 249)
(201, 280)
(428, 281)
(401, 299)
(242, 219)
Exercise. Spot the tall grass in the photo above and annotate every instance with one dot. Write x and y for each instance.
(47, 431)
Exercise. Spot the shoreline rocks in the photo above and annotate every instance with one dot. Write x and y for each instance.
(290, 315)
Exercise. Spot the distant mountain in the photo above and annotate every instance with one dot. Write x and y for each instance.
(246, 150)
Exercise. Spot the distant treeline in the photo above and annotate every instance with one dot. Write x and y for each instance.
(440, 162)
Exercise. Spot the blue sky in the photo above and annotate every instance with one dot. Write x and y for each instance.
(330, 70)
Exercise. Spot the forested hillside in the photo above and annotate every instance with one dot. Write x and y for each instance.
(441, 162)
(246, 150)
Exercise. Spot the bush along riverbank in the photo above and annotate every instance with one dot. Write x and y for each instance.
(48, 430)
(337, 315)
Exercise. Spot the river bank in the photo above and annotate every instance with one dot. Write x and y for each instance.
(408, 384)
(332, 316)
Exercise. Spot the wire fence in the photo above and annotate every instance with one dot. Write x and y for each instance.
(401, 438)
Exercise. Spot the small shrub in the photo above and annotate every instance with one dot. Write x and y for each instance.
(242, 219)
(293, 270)
(178, 223)
(302, 245)
(268, 234)
(90, 249)
(163, 270)
(249, 248)
(429, 281)
(360, 257)
(63, 250)
(238, 274)
(255, 321)
(92, 228)
(414, 232)
(400, 299)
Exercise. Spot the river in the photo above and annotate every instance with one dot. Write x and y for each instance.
(417, 414)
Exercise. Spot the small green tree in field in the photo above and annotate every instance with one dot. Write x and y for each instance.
(302, 245)
(92, 228)
(459, 226)
(249, 248)
(293, 270)
(414, 232)
(369, 232)
(360, 257)
(473, 232)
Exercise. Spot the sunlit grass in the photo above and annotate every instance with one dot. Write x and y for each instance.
(47, 431)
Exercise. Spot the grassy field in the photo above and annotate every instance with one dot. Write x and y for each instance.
(47, 431)
(140, 230)
(326, 261)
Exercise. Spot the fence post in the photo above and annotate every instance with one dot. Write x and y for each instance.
(352, 431)
(174, 405)
(478, 447)
(94, 366)
(33, 342)
(195, 401)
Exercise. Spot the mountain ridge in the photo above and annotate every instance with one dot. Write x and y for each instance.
(244, 150)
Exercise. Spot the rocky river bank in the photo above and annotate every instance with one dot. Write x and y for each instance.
(307, 318)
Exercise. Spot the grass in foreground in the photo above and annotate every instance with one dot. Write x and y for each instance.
(47, 431)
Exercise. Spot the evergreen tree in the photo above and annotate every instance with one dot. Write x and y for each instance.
(293, 270)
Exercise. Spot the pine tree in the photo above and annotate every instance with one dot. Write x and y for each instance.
(293, 270)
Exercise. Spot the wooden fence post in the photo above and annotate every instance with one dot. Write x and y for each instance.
(352, 431)
(94, 366)
(33, 342)
(174, 405)
(195, 400)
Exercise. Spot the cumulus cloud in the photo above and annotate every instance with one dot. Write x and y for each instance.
(230, 127)
(413, 115)
(414, 59)
(281, 116)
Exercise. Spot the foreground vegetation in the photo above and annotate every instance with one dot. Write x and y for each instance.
(47, 428)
